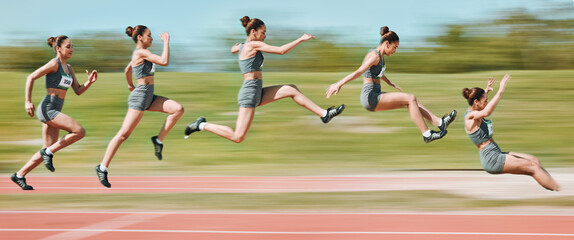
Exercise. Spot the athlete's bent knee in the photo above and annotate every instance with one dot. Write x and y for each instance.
(238, 139)
(81, 132)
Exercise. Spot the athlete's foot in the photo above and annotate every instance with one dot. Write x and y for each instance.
(332, 112)
(434, 136)
(447, 120)
(157, 147)
(194, 126)
(47, 158)
(103, 176)
(21, 182)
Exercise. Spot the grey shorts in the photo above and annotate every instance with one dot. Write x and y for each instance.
(492, 158)
(141, 97)
(49, 108)
(250, 93)
(370, 95)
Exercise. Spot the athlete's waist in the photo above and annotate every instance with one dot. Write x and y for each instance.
(482, 145)
(56, 92)
(253, 75)
(148, 80)
(371, 80)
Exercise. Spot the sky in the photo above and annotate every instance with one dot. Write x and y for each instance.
(200, 24)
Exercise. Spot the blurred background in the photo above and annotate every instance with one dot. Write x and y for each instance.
(446, 36)
(445, 45)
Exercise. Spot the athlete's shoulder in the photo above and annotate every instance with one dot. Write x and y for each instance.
(52, 64)
(471, 115)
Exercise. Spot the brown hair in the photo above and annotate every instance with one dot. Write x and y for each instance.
(135, 31)
(472, 94)
(56, 41)
(249, 24)
(389, 36)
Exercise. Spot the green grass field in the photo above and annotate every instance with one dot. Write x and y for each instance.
(286, 139)
(534, 116)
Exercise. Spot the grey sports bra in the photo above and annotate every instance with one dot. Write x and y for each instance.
(144, 69)
(376, 72)
(483, 133)
(59, 79)
(251, 64)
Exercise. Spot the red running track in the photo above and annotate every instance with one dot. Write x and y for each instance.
(280, 226)
(231, 184)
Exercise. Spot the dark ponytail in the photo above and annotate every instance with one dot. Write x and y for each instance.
(136, 31)
(56, 41)
(387, 35)
(249, 24)
(472, 94)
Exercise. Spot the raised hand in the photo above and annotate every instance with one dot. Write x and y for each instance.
(503, 82)
(92, 77)
(489, 85)
(164, 36)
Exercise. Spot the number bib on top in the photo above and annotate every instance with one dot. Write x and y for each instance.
(65, 82)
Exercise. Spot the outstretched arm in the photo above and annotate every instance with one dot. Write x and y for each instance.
(392, 84)
(263, 47)
(79, 89)
(370, 60)
(489, 109)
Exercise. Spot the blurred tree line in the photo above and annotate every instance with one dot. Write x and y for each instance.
(101, 51)
(517, 40)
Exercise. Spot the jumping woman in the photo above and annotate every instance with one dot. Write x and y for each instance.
(59, 77)
(142, 96)
(252, 94)
(480, 132)
(372, 99)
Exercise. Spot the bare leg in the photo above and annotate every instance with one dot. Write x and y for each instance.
(394, 100)
(50, 136)
(132, 119)
(428, 115)
(64, 122)
(520, 163)
(245, 115)
(244, 119)
(171, 107)
(274, 93)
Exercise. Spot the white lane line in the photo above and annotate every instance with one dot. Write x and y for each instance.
(110, 225)
(97, 231)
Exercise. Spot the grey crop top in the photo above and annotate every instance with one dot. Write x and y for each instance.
(251, 64)
(144, 69)
(376, 72)
(483, 133)
(59, 79)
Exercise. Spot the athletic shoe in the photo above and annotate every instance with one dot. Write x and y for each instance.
(103, 176)
(47, 160)
(21, 182)
(434, 136)
(447, 120)
(194, 126)
(157, 147)
(332, 112)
